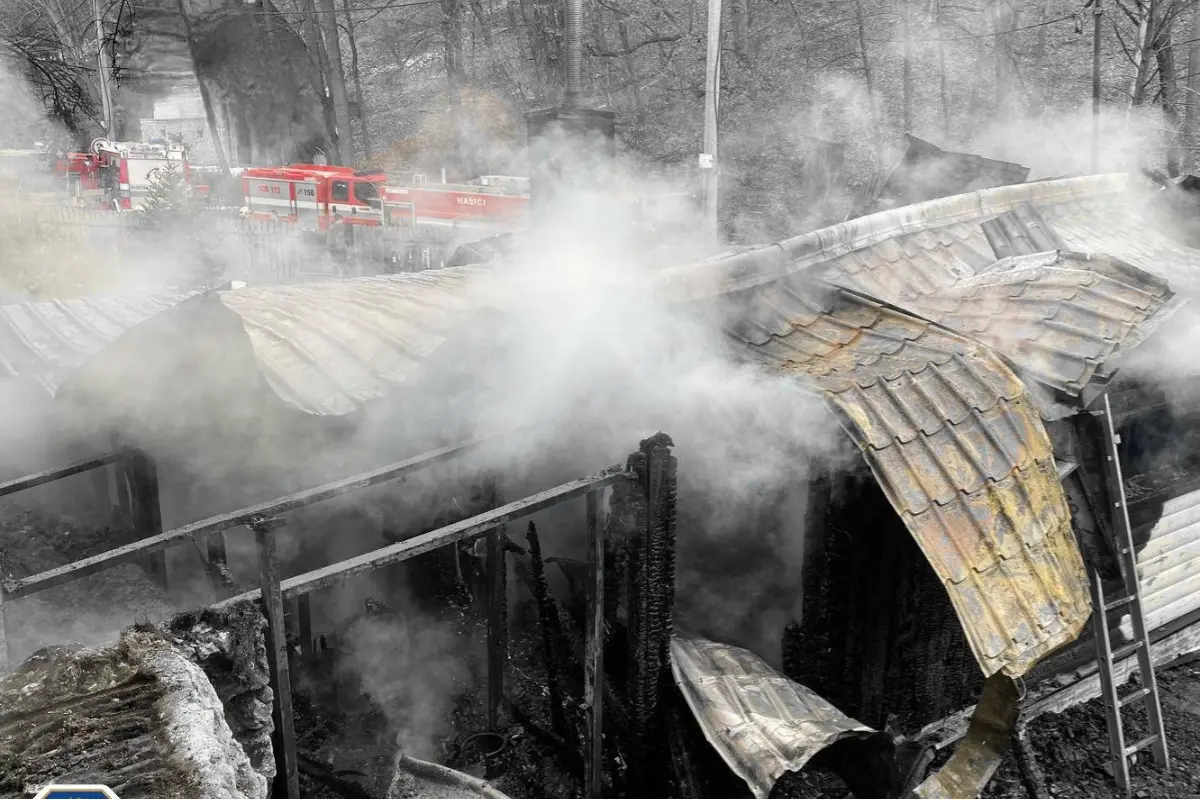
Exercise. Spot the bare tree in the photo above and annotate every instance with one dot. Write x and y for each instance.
(452, 35)
(1004, 22)
(360, 103)
(337, 83)
(877, 132)
(210, 113)
(1192, 125)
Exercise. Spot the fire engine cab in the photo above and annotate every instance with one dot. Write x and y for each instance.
(314, 196)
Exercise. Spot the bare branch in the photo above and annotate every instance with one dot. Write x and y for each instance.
(624, 51)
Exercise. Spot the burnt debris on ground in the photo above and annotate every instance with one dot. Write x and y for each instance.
(1071, 748)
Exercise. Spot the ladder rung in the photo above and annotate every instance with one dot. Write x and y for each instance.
(1133, 697)
(1142, 745)
(1120, 601)
(1126, 650)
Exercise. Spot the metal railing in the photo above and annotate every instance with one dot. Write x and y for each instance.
(263, 520)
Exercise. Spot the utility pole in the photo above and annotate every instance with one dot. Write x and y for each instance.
(102, 65)
(709, 161)
(1097, 11)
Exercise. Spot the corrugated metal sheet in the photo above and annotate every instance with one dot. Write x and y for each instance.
(1020, 232)
(1060, 318)
(957, 445)
(1056, 317)
(910, 232)
(978, 757)
(1169, 562)
(761, 723)
(1118, 226)
(329, 347)
(43, 342)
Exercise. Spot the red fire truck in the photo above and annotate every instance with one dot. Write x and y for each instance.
(488, 206)
(317, 196)
(116, 176)
(313, 196)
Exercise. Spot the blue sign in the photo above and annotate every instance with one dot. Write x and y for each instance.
(63, 792)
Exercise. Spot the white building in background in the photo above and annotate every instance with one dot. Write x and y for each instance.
(180, 115)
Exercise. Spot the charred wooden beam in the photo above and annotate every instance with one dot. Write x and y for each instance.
(548, 622)
(1031, 773)
(328, 777)
(147, 511)
(593, 666)
(497, 616)
(287, 782)
(480, 524)
(651, 597)
(58, 473)
(205, 527)
(5, 646)
(304, 623)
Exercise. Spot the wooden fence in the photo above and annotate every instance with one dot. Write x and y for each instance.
(256, 251)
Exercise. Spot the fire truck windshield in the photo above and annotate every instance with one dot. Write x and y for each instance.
(365, 191)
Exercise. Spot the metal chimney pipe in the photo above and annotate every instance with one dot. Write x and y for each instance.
(573, 51)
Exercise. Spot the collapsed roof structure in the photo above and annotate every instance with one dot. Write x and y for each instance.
(925, 172)
(958, 341)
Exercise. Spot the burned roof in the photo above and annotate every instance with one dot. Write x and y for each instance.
(926, 171)
(956, 442)
(328, 347)
(42, 342)
(1066, 316)
(1060, 317)
(761, 723)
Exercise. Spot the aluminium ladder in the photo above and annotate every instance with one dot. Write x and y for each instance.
(1131, 599)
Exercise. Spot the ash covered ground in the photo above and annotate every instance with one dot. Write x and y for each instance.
(1072, 747)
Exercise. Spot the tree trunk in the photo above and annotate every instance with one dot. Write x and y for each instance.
(1164, 50)
(1039, 57)
(1192, 128)
(358, 91)
(739, 16)
(319, 70)
(210, 114)
(452, 34)
(337, 84)
(481, 17)
(876, 133)
(906, 70)
(1004, 20)
(941, 54)
(631, 68)
(1147, 34)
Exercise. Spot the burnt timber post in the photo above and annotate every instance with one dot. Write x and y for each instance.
(497, 614)
(287, 777)
(5, 650)
(593, 666)
(651, 597)
(218, 559)
(147, 511)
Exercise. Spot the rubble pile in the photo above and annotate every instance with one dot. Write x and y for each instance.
(229, 645)
(92, 610)
(139, 717)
